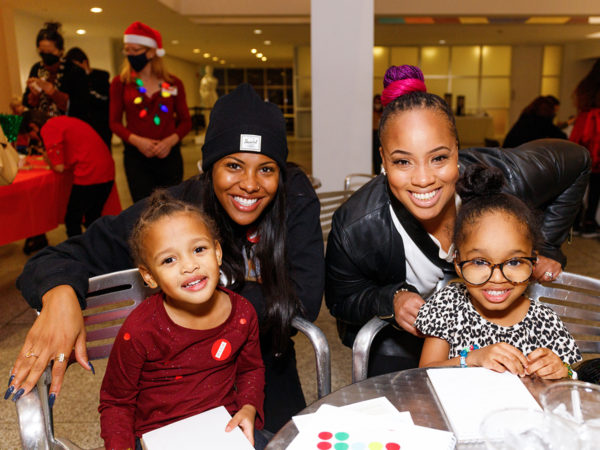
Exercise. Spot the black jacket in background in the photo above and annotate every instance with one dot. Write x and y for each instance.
(365, 253)
(99, 87)
(530, 127)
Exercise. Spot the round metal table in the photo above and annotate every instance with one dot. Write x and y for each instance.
(409, 390)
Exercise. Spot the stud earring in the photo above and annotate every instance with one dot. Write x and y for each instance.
(383, 170)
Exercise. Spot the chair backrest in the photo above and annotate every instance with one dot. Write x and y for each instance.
(330, 202)
(576, 299)
(354, 181)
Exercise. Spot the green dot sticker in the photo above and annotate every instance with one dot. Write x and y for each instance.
(341, 446)
(342, 436)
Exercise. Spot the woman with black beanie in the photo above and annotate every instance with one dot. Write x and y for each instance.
(268, 216)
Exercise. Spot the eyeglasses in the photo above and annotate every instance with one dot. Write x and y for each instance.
(478, 271)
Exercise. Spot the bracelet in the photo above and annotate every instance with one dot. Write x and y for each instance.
(400, 290)
(464, 352)
(569, 370)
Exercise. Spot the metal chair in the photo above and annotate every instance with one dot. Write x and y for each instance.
(330, 202)
(354, 181)
(110, 299)
(575, 298)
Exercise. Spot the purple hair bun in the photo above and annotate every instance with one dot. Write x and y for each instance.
(401, 80)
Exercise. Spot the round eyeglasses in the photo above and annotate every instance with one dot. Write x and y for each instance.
(478, 271)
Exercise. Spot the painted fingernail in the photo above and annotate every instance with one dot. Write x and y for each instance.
(18, 394)
(8, 392)
(51, 400)
(10, 379)
(92, 367)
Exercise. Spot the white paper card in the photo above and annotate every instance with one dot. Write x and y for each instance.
(468, 395)
(205, 430)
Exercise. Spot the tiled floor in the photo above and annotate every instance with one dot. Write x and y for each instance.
(75, 412)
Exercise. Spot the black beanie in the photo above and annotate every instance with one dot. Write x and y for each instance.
(242, 122)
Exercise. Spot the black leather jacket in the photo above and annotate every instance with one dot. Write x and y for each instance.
(365, 254)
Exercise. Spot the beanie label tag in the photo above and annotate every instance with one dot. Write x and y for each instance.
(250, 142)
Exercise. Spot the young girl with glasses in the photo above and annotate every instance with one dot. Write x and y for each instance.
(488, 320)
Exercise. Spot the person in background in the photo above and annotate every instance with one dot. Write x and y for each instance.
(156, 113)
(72, 144)
(535, 122)
(586, 132)
(98, 86)
(377, 111)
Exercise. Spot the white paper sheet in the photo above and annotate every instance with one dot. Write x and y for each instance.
(468, 395)
(205, 430)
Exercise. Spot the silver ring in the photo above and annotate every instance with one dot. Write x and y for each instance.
(548, 275)
(60, 357)
(30, 354)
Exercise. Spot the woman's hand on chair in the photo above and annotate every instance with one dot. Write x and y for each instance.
(546, 269)
(406, 308)
(58, 329)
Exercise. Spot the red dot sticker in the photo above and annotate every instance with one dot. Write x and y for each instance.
(243, 321)
(178, 377)
(392, 446)
(324, 445)
(126, 336)
(221, 350)
(325, 435)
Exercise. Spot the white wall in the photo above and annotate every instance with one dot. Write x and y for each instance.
(525, 78)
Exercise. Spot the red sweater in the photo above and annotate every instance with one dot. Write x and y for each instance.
(76, 144)
(175, 120)
(159, 372)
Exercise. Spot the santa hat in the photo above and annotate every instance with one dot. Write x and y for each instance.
(139, 33)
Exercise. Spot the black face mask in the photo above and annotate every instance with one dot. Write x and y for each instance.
(137, 62)
(49, 59)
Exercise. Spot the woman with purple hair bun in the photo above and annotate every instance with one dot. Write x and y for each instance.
(391, 242)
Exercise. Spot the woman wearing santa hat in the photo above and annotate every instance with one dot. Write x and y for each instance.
(156, 113)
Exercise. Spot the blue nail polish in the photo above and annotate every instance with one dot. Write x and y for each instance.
(92, 367)
(18, 394)
(8, 392)
(51, 400)
(10, 379)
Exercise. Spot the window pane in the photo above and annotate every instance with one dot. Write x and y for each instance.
(552, 60)
(304, 92)
(465, 60)
(255, 77)
(275, 76)
(381, 60)
(495, 93)
(437, 86)
(235, 77)
(275, 96)
(219, 74)
(434, 60)
(377, 85)
(551, 86)
(496, 60)
(469, 87)
(500, 119)
(303, 61)
(404, 55)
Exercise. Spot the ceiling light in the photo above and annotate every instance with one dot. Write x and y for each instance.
(253, 51)
(222, 61)
(196, 50)
(258, 31)
(267, 42)
(259, 55)
(264, 58)
(215, 58)
(595, 20)
(81, 31)
(96, 10)
(174, 42)
(594, 35)
(206, 55)
(442, 41)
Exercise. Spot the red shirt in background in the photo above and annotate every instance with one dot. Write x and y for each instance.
(175, 120)
(76, 144)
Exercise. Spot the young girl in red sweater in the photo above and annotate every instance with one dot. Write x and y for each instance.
(190, 347)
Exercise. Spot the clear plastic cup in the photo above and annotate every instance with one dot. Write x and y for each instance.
(577, 404)
(526, 429)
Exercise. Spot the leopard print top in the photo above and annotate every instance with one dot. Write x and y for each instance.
(449, 315)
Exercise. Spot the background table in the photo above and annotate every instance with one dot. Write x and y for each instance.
(409, 390)
(36, 202)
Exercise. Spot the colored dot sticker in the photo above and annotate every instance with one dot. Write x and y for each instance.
(137, 100)
(324, 445)
(164, 108)
(359, 446)
(178, 377)
(142, 90)
(156, 120)
(165, 85)
(143, 113)
(341, 446)
(243, 322)
(392, 446)
(126, 336)
(221, 349)
(323, 434)
(139, 82)
(342, 436)
(165, 94)
(375, 446)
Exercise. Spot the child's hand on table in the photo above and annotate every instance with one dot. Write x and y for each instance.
(244, 419)
(499, 357)
(544, 363)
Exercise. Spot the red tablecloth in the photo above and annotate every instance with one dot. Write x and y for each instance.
(36, 202)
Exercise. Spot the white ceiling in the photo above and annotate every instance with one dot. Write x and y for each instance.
(232, 38)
